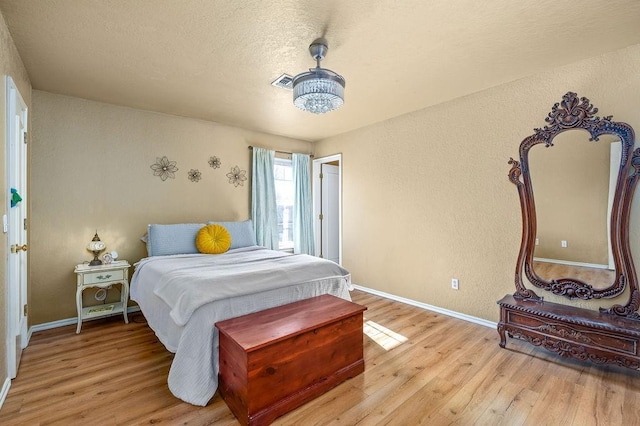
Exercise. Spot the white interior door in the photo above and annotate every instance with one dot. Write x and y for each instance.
(330, 213)
(327, 203)
(14, 225)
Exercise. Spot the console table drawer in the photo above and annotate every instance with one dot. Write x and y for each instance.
(100, 277)
(574, 333)
(571, 332)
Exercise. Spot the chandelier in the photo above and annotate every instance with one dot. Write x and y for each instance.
(320, 90)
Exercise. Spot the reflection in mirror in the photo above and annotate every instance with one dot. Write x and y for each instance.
(574, 181)
(596, 276)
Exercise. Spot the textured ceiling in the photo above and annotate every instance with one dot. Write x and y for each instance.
(215, 59)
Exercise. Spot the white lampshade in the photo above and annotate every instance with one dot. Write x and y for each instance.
(96, 246)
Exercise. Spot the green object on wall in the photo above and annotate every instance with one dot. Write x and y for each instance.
(15, 197)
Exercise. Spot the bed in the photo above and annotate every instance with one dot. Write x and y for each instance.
(182, 295)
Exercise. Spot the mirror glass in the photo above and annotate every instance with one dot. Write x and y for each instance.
(574, 182)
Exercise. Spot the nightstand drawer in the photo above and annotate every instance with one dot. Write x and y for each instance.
(104, 276)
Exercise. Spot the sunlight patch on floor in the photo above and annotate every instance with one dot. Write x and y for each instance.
(384, 337)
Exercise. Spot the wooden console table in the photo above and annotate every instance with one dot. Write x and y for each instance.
(571, 332)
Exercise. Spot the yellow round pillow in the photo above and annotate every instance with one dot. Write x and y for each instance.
(213, 239)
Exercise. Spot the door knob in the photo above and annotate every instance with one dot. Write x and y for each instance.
(15, 248)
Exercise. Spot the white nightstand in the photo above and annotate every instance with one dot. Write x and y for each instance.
(102, 276)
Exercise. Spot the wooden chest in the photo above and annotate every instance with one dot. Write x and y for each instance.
(276, 360)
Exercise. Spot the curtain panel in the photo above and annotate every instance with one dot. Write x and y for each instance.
(303, 239)
(264, 211)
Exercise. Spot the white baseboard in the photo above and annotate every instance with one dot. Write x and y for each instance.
(448, 312)
(5, 391)
(571, 263)
(65, 322)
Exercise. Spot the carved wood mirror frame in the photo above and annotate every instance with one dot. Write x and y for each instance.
(578, 113)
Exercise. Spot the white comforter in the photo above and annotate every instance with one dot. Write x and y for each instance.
(183, 296)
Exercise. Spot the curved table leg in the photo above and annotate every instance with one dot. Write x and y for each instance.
(79, 307)
(503, 337)
(125, 299)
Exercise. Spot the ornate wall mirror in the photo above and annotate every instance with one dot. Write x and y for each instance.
(583, 171)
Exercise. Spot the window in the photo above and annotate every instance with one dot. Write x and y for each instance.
(283, 171)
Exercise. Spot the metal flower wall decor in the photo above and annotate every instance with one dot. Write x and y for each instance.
(237, 176)
(214, 162)
(194, 175)
(164, 168)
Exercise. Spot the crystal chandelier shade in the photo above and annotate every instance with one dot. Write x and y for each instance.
(320, 90)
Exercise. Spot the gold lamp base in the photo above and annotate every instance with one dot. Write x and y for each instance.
(95, 261)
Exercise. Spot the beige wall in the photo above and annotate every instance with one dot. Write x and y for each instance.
(10, 64)
(426, 195)
(91, 171)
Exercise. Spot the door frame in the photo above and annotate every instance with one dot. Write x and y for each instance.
(317, 164)
(16, 320)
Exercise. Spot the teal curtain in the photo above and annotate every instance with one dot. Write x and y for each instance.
(303, 241)
(264, 211)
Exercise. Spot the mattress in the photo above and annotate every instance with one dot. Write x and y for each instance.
(183, 296)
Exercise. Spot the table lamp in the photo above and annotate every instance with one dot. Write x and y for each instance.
(95, 246)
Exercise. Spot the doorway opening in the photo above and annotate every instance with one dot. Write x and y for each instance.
(327, 207)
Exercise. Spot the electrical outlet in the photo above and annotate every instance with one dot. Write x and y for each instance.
(563, 243)
(537, 241)
(454, 283)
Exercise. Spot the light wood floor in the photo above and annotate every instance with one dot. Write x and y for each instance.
(447, 371)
